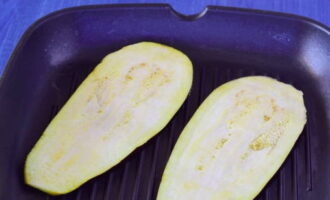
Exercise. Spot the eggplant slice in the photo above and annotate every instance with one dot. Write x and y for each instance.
(127, 99)
(235, 142)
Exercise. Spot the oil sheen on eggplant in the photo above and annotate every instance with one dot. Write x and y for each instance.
(235, 142)
(127, 99)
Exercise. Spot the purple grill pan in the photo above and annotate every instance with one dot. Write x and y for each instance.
(58, 52)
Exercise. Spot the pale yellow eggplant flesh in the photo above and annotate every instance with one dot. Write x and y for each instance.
(235, 142)
(127, 99)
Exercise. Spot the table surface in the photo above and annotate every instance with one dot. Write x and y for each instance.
(17, 15)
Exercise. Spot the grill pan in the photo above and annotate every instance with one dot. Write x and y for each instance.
(58, 51)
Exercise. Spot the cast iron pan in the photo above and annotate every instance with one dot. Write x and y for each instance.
(58, 52)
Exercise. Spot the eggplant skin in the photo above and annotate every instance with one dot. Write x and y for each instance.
(127, 99)
(235, 142)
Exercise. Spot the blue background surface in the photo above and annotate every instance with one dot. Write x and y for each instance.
(17, 15)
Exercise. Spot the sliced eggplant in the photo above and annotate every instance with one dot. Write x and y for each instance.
(127, 99)
(235, 142)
